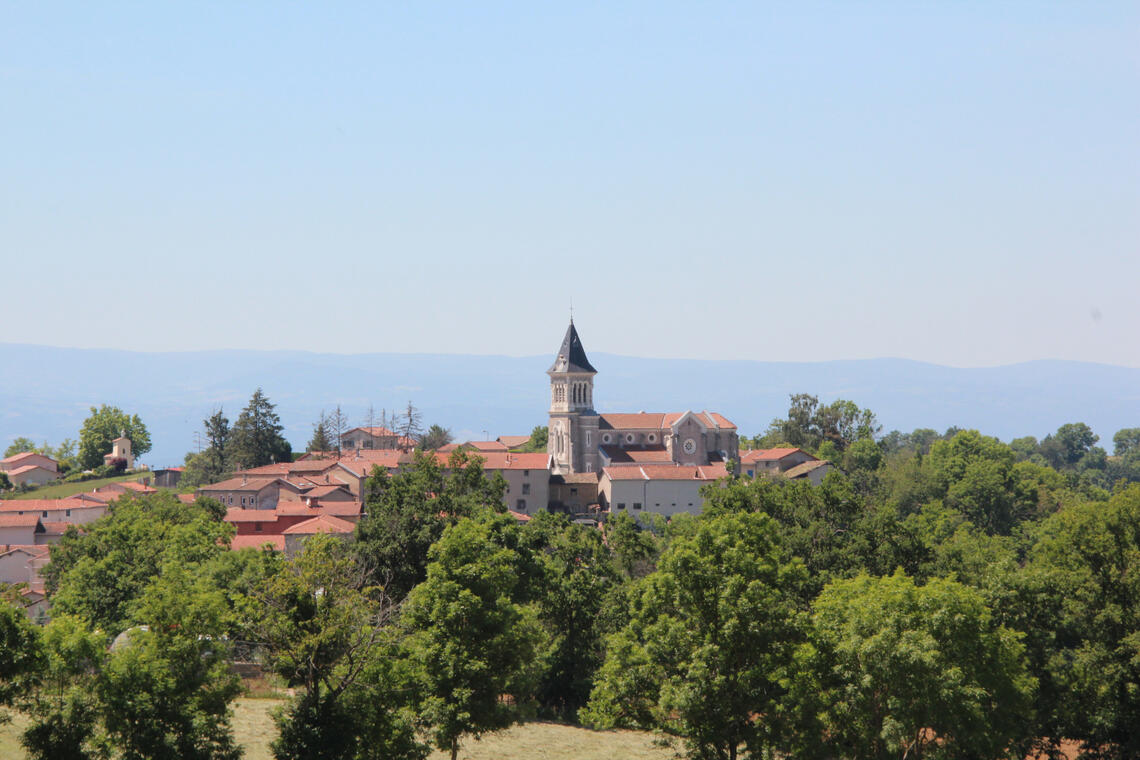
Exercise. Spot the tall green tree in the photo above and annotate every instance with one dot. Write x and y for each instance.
(330, 636)
(1082, 607)
(256, 438)
(21, 654)
(894, 670)
(320, 440)
(166, 687)
(809, 423)
(20, 445)
(710, 642)
(435, 437)
(408, 512)
(99, 574)
(469, 642)
(103, 426)
(579, 580)
(1126, 441)
(64, 713)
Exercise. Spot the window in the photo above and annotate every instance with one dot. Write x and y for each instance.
(652, 437)
(637, 505)
(605, 437)
(45, 513)
(621, 505)
(521, 505)
(69, 513)
(589, 440)
(526, 473)
(252, 500)
(589, 466)
(630, 437)
(243, 501)
(257, 526)
(573, 491)
(526, 488)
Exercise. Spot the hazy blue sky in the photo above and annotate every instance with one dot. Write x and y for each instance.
(952, 182)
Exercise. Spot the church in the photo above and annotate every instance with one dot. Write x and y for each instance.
(583, 441)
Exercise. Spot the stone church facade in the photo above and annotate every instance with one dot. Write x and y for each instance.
(583, 441)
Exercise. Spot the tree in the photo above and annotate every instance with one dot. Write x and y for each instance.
(1126, 441)
(810, 424)
(320, 440)
(165, 690)
(1082, 601)
(330, 636)
(974, 474)
(894, 670)
(256, 436)
(435, 437)
(579, 580)
(64, 713)
(337, 425)
(100, 574)
(408, 512)
(5, 484)
(634, 549)
(102, 427)
(538, 439)
(20, 445)
(1065, 448)
(21, 655)
(710, 641)
(468, 642)
(410, 425)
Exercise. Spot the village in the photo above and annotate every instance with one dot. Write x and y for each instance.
(595, 465)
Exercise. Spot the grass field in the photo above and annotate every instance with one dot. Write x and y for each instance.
(254, 729)
(61, 490)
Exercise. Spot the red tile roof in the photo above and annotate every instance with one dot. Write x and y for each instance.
(617, 455)
(768, 455)
(320, 524)
(505, 460)
(237, 484)
(24, 455)
(659, 421)
(513, 441)
(802, 469)
(56, 528)
(254, 541)
(666, 472)
(19, 521)
(236, 515)
(33, 505)
(486, 445)
(35, 550)
(519, 516)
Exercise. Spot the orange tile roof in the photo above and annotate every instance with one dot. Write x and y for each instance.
(505, 460)
(616, 454)
(237, 514)
(24, 455)
(236, 484)
(254, 541)
(35, 550)
(768, 455)
(666, 472)
(57, 528)
(513, 441)
(19, 521)
(32, 505)
(804, 468)
(277, 468)
(519, 516)
(487, 445)
(320, 524)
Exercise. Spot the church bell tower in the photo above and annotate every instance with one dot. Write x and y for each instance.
(573, 429)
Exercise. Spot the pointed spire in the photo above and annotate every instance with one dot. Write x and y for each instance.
(571, 356)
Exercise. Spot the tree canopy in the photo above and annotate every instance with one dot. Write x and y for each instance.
(102, 427)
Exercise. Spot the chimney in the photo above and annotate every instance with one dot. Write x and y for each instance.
(243, 479)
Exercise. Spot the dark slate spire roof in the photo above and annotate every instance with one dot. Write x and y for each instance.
(571, 356)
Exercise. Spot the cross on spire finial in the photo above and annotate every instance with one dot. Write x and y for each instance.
(571, 309)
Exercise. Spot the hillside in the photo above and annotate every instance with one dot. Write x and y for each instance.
(45, 392)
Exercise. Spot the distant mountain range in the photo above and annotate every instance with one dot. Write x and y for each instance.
(45, 392)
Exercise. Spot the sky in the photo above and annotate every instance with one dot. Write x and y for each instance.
(956, 183)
